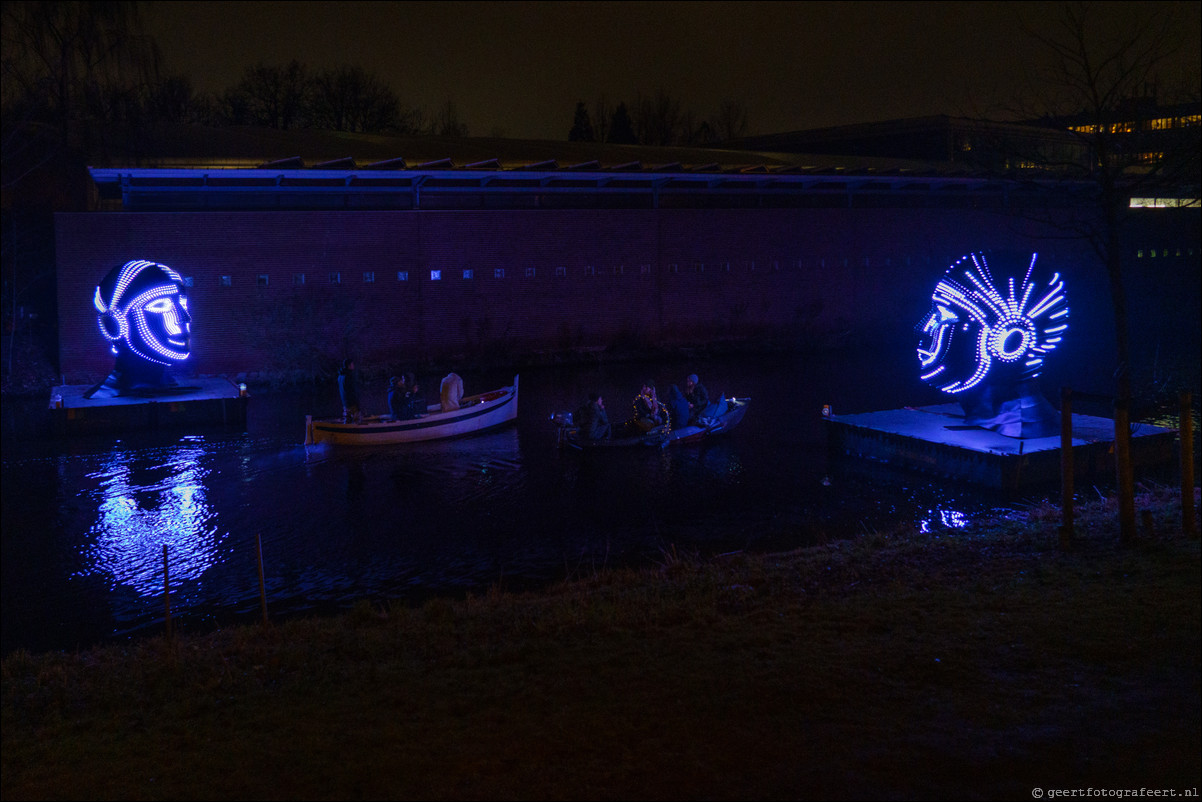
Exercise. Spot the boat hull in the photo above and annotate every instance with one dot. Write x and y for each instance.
(476, 414)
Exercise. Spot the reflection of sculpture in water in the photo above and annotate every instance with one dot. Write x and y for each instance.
(987, 345)
(143, 313)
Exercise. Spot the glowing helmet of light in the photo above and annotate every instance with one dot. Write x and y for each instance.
(979, 326)
(142, 307)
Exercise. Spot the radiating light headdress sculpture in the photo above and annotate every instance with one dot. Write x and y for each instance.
(985, 340)
(142, 310)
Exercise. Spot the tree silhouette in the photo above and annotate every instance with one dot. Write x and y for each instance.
(1100, 85)
(273, 97)
(351, 99)
(621, 130)
(582, 127)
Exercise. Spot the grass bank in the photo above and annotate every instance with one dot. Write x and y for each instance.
(960, 664)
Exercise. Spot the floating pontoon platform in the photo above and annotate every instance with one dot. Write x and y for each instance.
(196, 402)
(935, 440)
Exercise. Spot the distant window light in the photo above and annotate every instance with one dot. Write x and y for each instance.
(298, 279)
(674, 268)
(822, 262)
(644, 269)
(335, 278)
(726, 267)
(751, 266)
(619, 269)
(775, 266)
(561, 271)
(1139, 254)
(226, 281)
(467, 272)
(589, 270)
(1163, 203)
(697, 267)
(435, 275)
(1152, 253)
(188, 281)
(498, 272)
(402, 275)
(530, 272)
(369, 277)
(262, 280)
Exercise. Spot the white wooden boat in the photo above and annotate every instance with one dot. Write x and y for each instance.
(476, 413)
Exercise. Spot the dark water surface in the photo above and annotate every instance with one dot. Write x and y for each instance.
(85, 520)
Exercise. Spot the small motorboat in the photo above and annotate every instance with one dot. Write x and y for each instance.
(720, 416)
(476, 413)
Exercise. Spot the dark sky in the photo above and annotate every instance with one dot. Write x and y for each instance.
(517, 69)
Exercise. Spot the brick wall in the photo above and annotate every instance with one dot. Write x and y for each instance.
(540, 279)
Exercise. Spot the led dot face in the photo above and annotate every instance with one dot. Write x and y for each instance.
(978, 327)
(143, 308)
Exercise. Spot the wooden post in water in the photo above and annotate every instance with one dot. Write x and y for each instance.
(1066, 467)
(1185, 429)
(1124, 473)
(262, 584)
(166, 591)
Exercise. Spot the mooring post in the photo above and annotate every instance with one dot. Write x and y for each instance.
(262, 584)
(1185, 429)
(166, 591)
(1066, 466)
(1124, 472)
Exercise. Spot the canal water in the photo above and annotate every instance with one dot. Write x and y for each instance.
(85, 520)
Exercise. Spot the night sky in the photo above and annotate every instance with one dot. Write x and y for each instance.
(517, 69)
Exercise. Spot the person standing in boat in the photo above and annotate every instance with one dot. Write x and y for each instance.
(348, 390)
(451, 391)
(697, 396)
(594, 420)
(649, 413)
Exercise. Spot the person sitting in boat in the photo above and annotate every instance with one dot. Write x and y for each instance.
(592, 421)
(649, 413)
(697, 396)
(398, 399)
(451, 391)
(678, 406)
(348, 391)
(415, 399)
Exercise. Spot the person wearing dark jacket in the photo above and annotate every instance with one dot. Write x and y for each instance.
(697, 396)
(398, 399)
(678, 408)
(348, 390)
(594, 420)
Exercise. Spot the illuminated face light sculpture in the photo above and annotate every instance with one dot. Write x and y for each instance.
(985, 341)
(142, 310)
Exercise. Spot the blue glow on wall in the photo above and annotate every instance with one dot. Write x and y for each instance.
(983, 327)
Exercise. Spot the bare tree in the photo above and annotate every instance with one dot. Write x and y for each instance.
(351, 99)
(447, 122)
(602, 112)
(658, 120)
(1097, 87)
(730, 121)
(67, 58)
(273, 97)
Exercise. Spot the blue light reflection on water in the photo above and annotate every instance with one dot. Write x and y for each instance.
(85, 521)
(137, 517)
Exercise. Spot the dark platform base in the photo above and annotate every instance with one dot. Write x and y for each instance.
(198, 402)
(935, 440)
